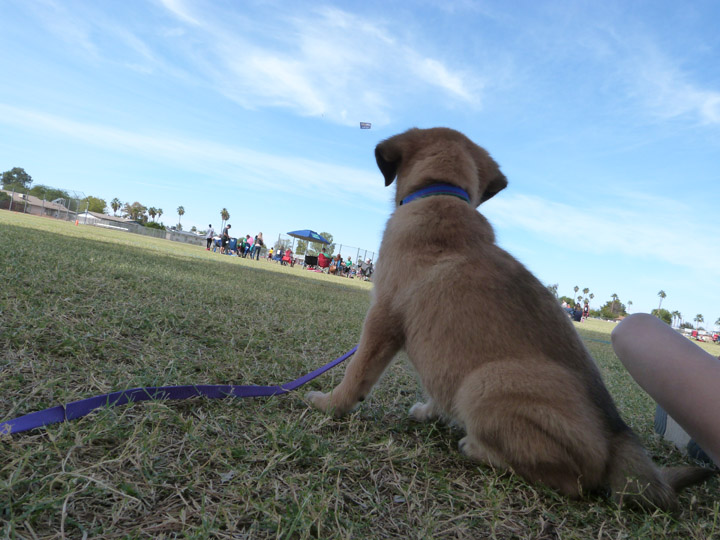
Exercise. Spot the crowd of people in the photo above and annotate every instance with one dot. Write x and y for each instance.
(338, 266)
(230, 245)
(282, 255)
(577, 312)
(253, 245)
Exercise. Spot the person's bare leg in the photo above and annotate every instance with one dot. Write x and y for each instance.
(681, 377)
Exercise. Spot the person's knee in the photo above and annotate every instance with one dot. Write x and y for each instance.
(632, 326)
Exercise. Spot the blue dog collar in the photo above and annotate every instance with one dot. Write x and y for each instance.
(438, 189)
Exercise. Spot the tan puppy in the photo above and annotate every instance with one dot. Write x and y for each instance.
(494, 350)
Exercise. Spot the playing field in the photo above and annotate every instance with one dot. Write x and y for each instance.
(85, 311)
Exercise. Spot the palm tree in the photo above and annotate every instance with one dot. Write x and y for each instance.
(224, 215)
(629, 303)
(576, 289)
(152, 211)
(717, 323)
(615, 298)
(662, 295)
(586, 300)
(180, 212)
(698, 319)
(675, 316)
(127, 210)
(115, 204)
(159, 212)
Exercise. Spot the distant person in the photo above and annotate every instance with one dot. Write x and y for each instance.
(225, 239)
(209, 236)
(324, 260)
(257, 246)
(586, 313)
(681, 377)
(367, 269)
(575, 312)
(248, 245)
(335, 264)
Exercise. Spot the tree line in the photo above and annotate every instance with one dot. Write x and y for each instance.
(675, 318)
(19, 181)
(615, 308)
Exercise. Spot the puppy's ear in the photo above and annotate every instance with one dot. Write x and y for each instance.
(496, 185)
(388, 155)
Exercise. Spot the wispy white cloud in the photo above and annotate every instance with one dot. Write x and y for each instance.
(435, 73)
(286, 174)
(613, 58)
(635, 224)
(321, 62)
(668, 91)
(91, 33)
(642, 65)
(180, 10)
(66, 26)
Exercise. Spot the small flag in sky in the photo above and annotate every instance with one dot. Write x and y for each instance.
(365, 125)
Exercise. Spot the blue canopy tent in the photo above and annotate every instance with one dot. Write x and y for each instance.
(309, 236)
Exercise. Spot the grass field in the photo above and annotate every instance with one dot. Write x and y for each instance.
(85, 311)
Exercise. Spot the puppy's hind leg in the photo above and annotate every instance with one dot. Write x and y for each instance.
(381, 338)
(472, 448)
(424, 412)
(536, 419)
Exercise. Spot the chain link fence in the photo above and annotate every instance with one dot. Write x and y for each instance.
(65, 208)
(71, 209)
(301, 248)
(361, 260)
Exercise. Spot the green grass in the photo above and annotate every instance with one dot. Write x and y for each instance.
(85, 311)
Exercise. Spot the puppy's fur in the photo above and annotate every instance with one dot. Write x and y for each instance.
(493, 349)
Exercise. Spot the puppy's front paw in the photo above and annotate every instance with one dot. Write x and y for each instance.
(319, 400)
(328, 403)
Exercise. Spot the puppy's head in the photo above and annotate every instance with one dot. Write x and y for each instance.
(420, 157)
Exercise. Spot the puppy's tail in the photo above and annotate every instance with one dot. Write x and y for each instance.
(635, 481)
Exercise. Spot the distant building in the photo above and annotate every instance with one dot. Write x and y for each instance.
(119, 223)
(104, 220)
(29, 204)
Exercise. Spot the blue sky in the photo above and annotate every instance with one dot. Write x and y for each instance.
(604, 116)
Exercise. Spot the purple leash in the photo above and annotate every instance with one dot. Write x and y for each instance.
(78, 409)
